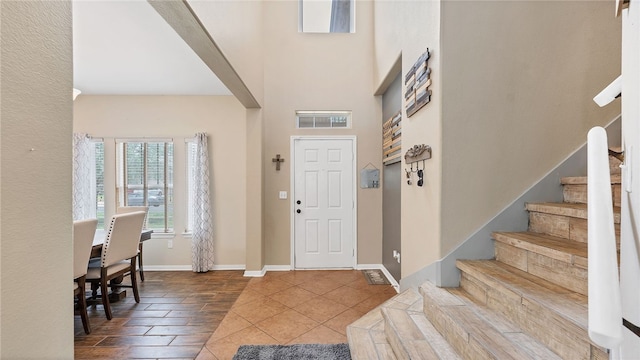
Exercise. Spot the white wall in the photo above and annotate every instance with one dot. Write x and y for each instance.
(512, 88)
(35, 185)
(180, 117)
(410, 28)
(518, 80)
(318, 72)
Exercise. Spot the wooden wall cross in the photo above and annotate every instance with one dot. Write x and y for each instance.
(277, 160)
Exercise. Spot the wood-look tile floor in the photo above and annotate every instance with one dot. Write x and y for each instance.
(186, 315)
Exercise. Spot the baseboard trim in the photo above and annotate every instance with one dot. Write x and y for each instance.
(261, 273)
(255, 273)
(229, 267)
(168, 268)
(277, 268)
(190, 268)
(266, 268)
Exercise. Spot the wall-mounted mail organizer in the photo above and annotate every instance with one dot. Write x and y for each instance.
(414, 157)
(417, 82)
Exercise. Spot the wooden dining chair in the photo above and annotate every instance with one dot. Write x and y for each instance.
(128, 209)
(83, 233)
(118, 258)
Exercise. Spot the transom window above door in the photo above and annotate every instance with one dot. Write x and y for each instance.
(323, 119)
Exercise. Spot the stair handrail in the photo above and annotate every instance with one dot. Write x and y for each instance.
(605, 305)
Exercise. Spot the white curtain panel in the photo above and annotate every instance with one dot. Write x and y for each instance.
(202, 240)
(84, 182)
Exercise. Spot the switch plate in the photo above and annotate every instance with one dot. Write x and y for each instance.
(396, 255)
(282, 195)
(170, 244)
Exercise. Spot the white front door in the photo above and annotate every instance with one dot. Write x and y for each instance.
(323, 203)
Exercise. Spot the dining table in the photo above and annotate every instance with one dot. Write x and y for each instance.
(96, 251)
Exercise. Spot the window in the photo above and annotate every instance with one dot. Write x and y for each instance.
(191, 167)
(323, 119)
(145, 178)
(99, 173)
(327, 16)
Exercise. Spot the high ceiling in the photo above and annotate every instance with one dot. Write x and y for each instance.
(126, 48)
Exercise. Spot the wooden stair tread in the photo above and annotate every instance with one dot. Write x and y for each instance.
(471, 322)
(433, 338)
(567, 304)
(497, 320)
(552, 246)
(366, 338)
(361, 344)
(408, 331)
(489, 338)
(415, 335)
(558, 260)
(582, 180)
(576, 210)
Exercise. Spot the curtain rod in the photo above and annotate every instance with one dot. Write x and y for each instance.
(142, 139)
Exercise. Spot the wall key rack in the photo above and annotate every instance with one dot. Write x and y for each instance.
(413, 156)
(417, 153)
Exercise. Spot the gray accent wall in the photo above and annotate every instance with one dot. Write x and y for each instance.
(513, 218)
(391, 181)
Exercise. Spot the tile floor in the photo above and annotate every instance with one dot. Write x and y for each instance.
(185, 315)
(295, 307)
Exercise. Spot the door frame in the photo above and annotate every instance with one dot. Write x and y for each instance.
(292, 168)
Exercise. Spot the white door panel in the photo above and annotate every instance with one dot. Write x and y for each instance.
(323, 203)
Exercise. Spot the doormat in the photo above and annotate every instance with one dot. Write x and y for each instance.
(375, 277)
(293, 352)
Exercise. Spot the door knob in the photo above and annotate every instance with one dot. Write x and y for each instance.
(298, 202)
(298, 211)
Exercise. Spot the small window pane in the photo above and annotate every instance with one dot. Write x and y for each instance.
(191, 171)
(323, 122)
(339, 121)
(305, 122)
(99, 146)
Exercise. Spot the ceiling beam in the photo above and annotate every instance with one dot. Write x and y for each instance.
(179, 15)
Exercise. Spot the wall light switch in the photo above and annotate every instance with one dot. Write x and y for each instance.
(283, 195)
(170, 244)
(396, 255)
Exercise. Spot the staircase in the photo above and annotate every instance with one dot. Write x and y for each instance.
(528, 303)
